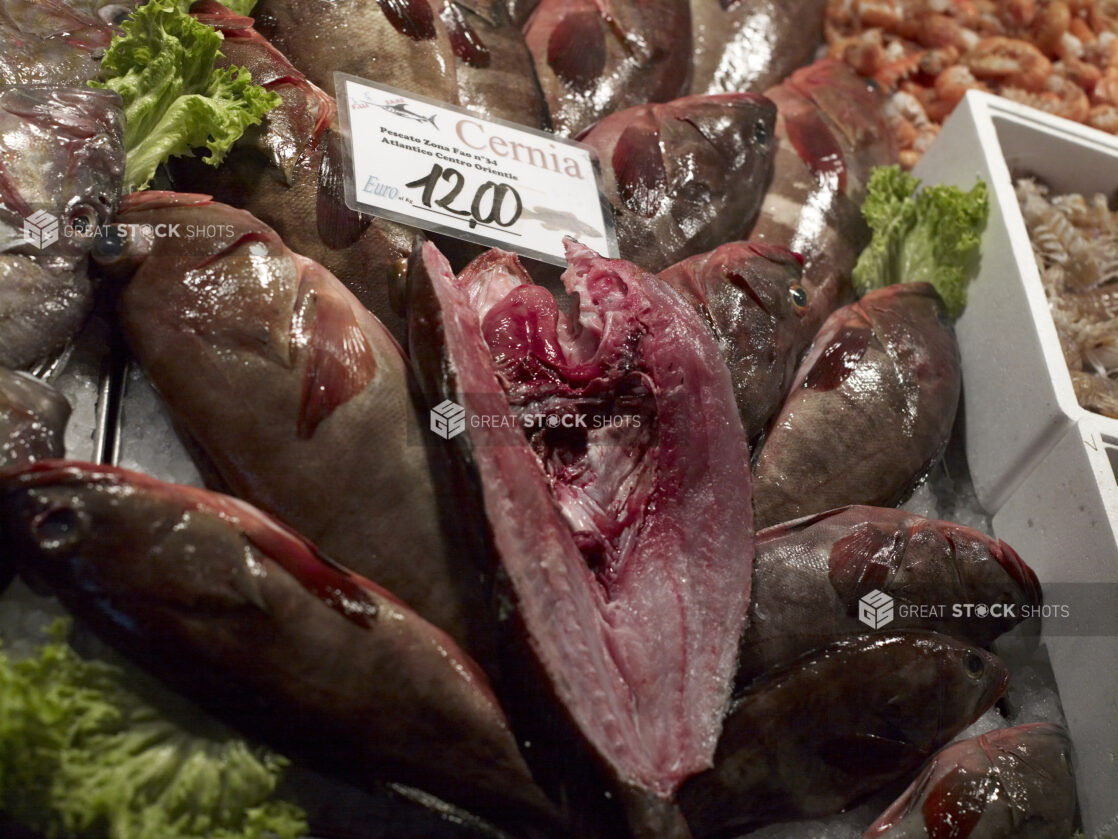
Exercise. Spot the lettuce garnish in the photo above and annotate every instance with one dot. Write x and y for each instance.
(931, 235)
(175, 99)
(83, 754)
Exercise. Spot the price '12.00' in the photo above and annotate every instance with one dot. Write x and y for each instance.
(502, 200)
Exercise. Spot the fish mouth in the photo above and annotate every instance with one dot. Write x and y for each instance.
(1020, 573)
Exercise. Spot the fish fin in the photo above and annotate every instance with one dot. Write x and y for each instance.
(814, 141)
(340, 362)
(465, 42)
(576, 50)
(638, 166)
(869, 754)
(839, 358)
(951, 809)
(413, 18)
(338, 225)
(865, 560)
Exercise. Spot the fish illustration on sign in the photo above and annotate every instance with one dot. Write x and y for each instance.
(400, 109)
(561, 220)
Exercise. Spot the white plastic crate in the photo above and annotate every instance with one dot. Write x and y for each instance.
(1063, 519)
(1017, 391)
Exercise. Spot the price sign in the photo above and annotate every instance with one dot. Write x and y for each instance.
(442, 168)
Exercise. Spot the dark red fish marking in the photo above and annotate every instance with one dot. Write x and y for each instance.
(839, 359)
(9, 194)
(776, 253)
(465, 43)
(864, 561)
(158, 199)
(340, 362)
(638, 166)
(813, 140)
(949, 811)
(413, 18)
(338, 226)
(576, 50)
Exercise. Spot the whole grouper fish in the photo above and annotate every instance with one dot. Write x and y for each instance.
(615, 478)
(752, 44)
(56, 41)
(1013, 783)
(685, 176)
(246, 617)
(809, 575)
(830, 133)
(299, 399)
(594, 57)
(463, 52)
(870, 410)
(817, 735)
(61, 171)
(751, 296)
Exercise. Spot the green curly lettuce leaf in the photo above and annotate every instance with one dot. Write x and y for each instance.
(175, 99)
(921, 235)
(84, 755)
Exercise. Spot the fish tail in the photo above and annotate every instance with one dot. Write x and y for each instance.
(431, 119)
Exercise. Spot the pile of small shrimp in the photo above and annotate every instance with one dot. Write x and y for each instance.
(1057, 55)
(1075, 241)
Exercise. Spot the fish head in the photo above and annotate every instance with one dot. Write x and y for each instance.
(180, 243)
(945, 684)
(82, 530)
(63, 158)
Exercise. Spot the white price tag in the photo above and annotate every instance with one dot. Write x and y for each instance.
(441, 168)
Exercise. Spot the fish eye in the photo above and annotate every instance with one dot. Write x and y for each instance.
(761, 132)
(115, 13)
(110, 245)
(58, 530)
(975, 665)
(83, 220)
(799, 296)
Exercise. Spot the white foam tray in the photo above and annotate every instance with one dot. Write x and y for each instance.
(1041, 464)
(1017, 392)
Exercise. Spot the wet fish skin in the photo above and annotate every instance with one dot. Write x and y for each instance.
(33, 418)
(288, 173)
(751, 297)
(830, 133)
(56, 41)
(752, 44)
(815, 736)
(581, 584)
(403, 44)
(870, 410)
(1013, 782)
(245, 616)
(494, 69)
(301, 401)
(61, 152)
(685, 176)
(809, 574)
(595, 57)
